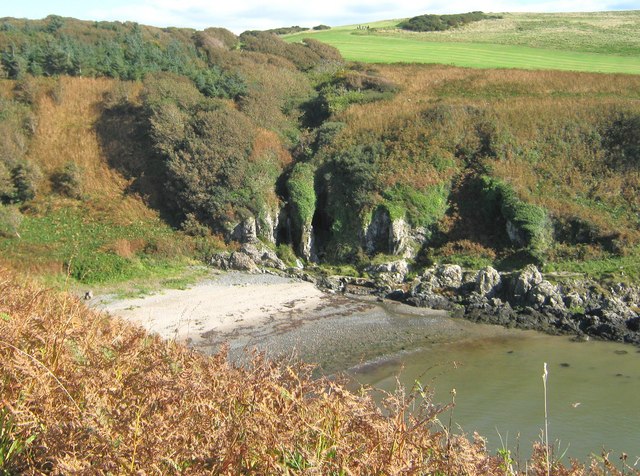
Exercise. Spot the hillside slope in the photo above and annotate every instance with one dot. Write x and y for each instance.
(96, 234)
(115, 179)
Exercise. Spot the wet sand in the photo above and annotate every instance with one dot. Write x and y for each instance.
(282, 316)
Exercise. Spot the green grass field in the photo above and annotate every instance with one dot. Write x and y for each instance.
(606, 42)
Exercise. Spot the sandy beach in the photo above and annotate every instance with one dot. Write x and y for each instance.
(226, 305)
(283, 316)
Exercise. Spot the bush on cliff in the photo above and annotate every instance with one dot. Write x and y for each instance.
(528, 225)
(302, 195)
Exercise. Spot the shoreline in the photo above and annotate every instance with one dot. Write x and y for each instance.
(288, 317)
(246, 309)
(227, 303)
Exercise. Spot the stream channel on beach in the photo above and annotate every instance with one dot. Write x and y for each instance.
(593, 387)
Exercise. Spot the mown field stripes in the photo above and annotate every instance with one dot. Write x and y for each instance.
(384, 49)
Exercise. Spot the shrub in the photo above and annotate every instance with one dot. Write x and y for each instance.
(216, 38)
(28, 90)
(67, 180)
(286, 254)
(621, 140)
(275, 92)
(191, 226)
(442, 22)
(302, 195)
(10, 220)
(285, 30)
(327, 53)
(304, 55)
(25, 177)
(326, 134)
(528, 225)
(7, 189)
(206, 147)
(421, 208)
(120, 95)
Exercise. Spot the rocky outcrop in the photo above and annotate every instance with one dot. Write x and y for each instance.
(391, 272)
(252, 230)
(267, 226)
(378, 232)
(393, 237)
(525, 282)
(488, 282)
(246, 231)
(523, 299)
(400, 239)
(307, 245)
(250, 257)
(516, 235)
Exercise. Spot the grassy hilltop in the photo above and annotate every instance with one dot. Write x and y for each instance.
(598, 42)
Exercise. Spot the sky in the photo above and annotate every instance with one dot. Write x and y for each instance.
(241, 15)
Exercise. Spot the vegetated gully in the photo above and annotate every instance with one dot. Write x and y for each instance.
(496, 373)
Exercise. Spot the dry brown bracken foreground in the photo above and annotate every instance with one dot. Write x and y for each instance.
(85, 393)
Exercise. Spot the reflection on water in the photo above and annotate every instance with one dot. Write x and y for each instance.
(593, 389)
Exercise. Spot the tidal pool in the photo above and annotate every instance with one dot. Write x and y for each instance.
(592, 390)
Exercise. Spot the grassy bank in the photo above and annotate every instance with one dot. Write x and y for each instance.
(85, 393)
(100, 232)
(596, 42)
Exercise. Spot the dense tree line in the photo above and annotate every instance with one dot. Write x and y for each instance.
(127, 51)
(443, 22)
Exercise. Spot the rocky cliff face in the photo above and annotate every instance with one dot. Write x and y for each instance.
(393, 237)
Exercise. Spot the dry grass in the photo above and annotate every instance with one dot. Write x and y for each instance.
(66, 132)
(267, 143)
(103, 397)
(545, 130)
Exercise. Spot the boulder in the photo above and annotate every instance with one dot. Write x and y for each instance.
(614, 309)
(526, 280)
(573, 300)
(633, 324)
(428, 281)
(332, 283)
(241, 262)
(488, 281)
(220, 260)
(449, 276)
(545, 293)
(430, 300)
(392, 271)
(444, 276)
(263, 256)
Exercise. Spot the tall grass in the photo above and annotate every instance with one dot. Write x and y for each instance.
(90, 394)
